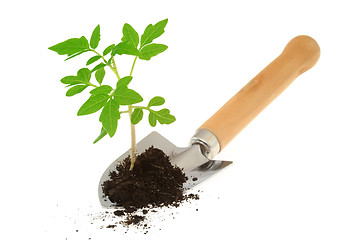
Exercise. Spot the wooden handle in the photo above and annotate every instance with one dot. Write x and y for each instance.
(300, 54)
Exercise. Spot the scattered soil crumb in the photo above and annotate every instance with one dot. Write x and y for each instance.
(134, 219)
(119, 213)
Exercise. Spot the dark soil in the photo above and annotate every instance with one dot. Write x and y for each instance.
(153, 182)
(119, 213)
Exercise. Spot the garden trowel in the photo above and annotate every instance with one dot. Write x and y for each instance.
(300, 54)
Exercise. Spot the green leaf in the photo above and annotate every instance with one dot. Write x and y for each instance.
(71, 46)
(145, 38)
(108, 49)
(95, 38)
(163, 117)
(93, 104)
(102, 134)
(130, 35)
(152, 119)
(110, 116)
(76, 54)
(84, 75)
(125, 48)
(137, 116)
(156, 101)
(152, 32)
(71, 80)
(151, 50)
(99, 75)
(124, 82)
(75, 90)
(126, 96)
(106, 89)
(97, 67)
(93, 59)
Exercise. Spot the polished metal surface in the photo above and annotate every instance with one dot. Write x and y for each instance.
(191, 159)
(209, 143)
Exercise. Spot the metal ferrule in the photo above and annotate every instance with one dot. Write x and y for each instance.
(208, 141)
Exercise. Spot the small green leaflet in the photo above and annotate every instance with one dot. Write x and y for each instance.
(93, 104)
(99, 66)
(102, 134)
(106, 89)
(71, 46)
(108, 49)
(163, 117)
(124, 82)
(99, 75)
(125, 48)
(110, 116)
(95, 38)
(84, 75)
(152, 32)
(137, 116)
(93, 59)
(130, 35)
(126, 96)
(75, 90)
(76, 54)
(152, 119)
(71, 80)
(151, 50)
(156, 101)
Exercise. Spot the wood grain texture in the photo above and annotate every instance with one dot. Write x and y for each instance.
(299, 55)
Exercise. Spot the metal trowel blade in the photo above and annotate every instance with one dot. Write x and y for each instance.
(195, 165)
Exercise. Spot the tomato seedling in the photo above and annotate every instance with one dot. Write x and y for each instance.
(110, 100)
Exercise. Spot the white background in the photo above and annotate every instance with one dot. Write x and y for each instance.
(297, 166)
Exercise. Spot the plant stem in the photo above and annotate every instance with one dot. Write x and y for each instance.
(102, 57)
(130, 108)
(131, 70)
(109, 63)
(133, 140)
(114, 68)
(121, 112)
(132, 127)
(93, 85)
